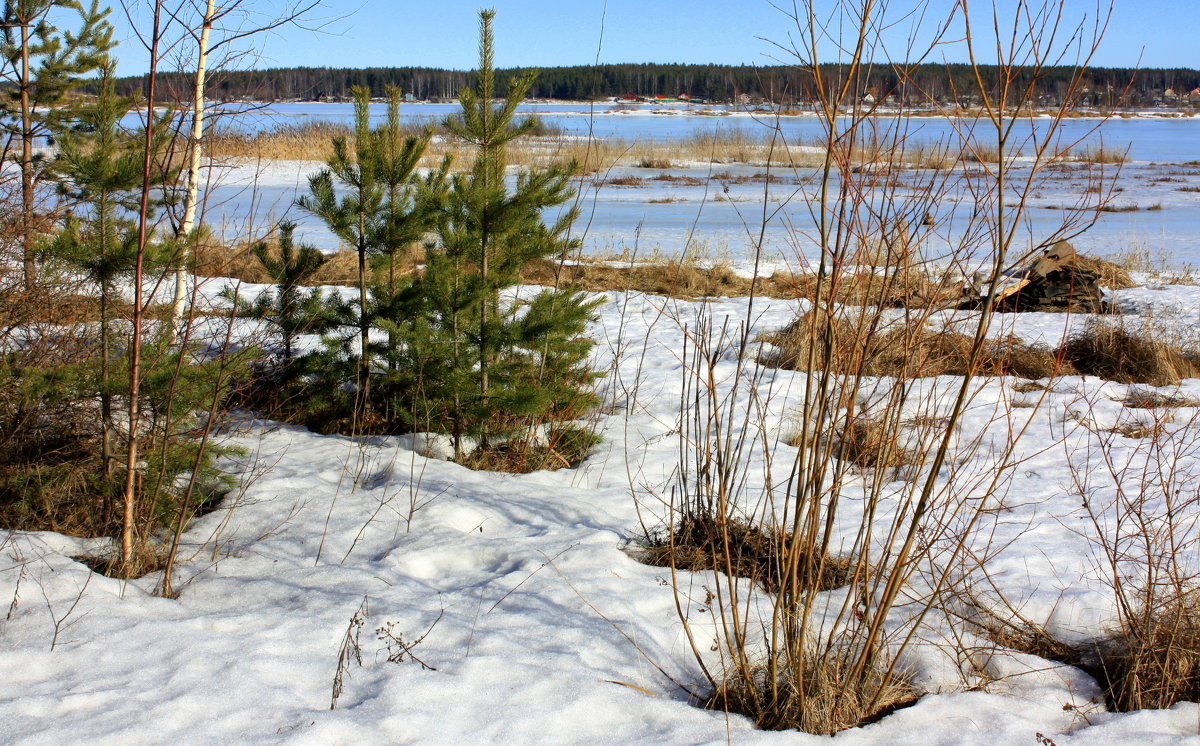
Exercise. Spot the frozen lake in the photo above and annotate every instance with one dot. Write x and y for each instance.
(719, 212)
(1148, 138)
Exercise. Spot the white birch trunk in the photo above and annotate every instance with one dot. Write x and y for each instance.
(193, 173)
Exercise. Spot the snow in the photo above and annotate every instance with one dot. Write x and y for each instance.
(539, 625)
(535, 622)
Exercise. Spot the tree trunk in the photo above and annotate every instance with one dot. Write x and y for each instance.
(30, 263)
(193, 173)
(129, 514)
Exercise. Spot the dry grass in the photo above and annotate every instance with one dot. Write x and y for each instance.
(1009, 629)
(872, 444)
(1114, 353)
(1103, 349)
(148, 557)
(1132, 207)
(981, 153)
(821, 696)
(564, 448)
(1156, 400)
(909, 351)
(740, 549)
(1112, 276)
(1029, 387)
(1100, 155)
(623, 181)
(1157, 664)
(289, 142)
(672, 278)
(908, 288)
(239, 263)
(1154, 665)
(312, 141)
(1138, 430)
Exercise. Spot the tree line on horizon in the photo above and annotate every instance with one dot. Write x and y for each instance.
(713, 83)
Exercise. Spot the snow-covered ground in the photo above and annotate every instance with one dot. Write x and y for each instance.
(535, 623)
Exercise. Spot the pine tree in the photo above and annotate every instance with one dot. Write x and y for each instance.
(44, 67)
(292, 309)
(354, 218)
(502, 368)
(385, 210)
(405, 216)
(100, 171)
(99, 165)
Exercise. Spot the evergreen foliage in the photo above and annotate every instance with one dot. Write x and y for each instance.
(292, 309)
(464, 354)
(99, 166)
(43, 66)
(501, 366)
(355, 218)
(59, 466)
(385, 210)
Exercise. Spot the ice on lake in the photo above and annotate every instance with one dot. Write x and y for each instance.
(722, 210)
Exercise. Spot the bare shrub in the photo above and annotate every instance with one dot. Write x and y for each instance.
(826, 697)
(1140, 501)
(795, 656)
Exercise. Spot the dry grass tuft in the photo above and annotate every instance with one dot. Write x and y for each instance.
(1112, 352)
(238, 263)
(815, 341)
(909, 351)
(1157, 665)
(1011, 630)
(1156, 400)
(1153, 665)
(1137, 430)
(1029, 387)
(147, 558)
(1101, 155)
(872, 444)
(741, 549)
(672, 278)
(564, 448)
(623, 181)
(917, 352)
(1112, 276)
(825, 698)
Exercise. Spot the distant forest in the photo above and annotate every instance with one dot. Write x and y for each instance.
(715, 83)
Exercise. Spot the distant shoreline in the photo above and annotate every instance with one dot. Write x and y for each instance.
(616, 108)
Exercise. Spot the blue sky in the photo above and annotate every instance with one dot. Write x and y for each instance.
(532, 33)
